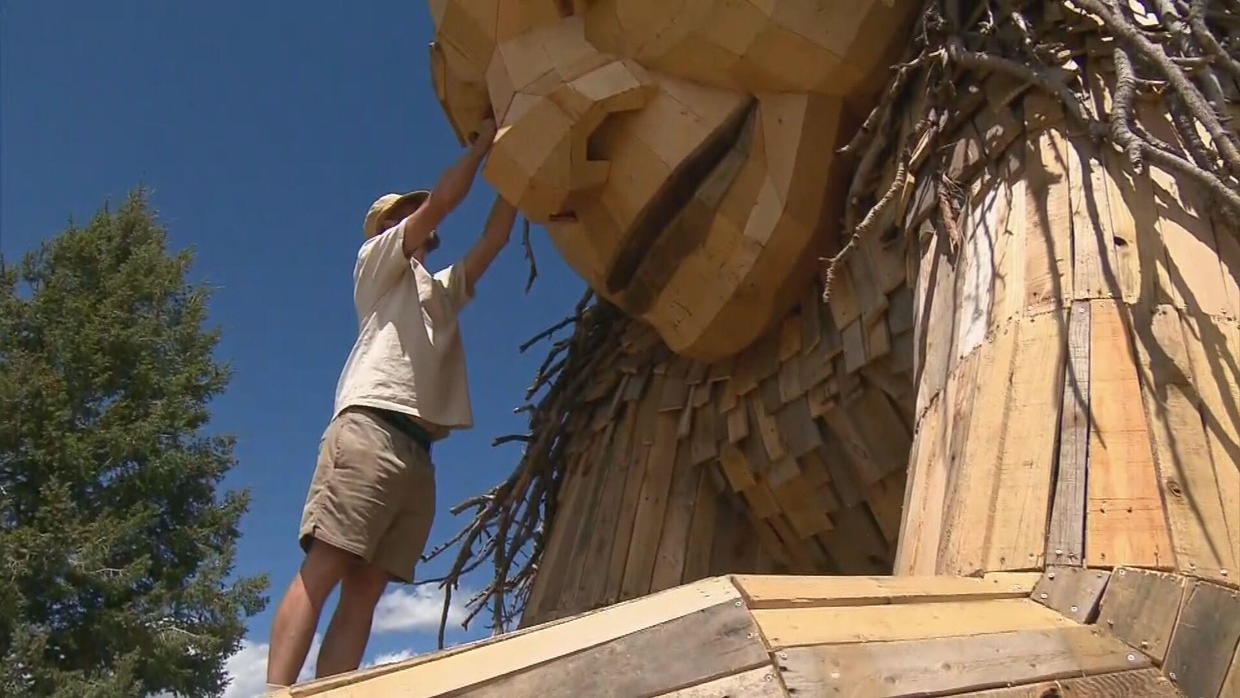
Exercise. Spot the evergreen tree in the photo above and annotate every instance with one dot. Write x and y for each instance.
(115, 549)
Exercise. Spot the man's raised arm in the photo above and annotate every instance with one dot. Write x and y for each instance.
(449, 191)
(494, 236)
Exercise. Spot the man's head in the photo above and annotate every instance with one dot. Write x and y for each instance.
(390, 209)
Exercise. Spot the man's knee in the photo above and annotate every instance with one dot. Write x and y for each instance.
(324, 566)
(364, 584)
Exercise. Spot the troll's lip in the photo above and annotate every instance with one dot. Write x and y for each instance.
(657, 218)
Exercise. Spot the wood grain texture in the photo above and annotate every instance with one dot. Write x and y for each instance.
(1124, 522)
(762, 682)
(1146, 683)
(1140, 608)
(1065, 538)
(715, 641)
(1206, 636)
(792, 591)
(891, 622)
(1073, 591)
(953, 664)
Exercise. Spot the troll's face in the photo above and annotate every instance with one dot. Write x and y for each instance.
(681, 153)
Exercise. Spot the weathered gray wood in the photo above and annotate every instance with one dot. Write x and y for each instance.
(1140, 607)
(1145, 683)
(939, 665)
(1065, 539)
(1205, 639)
(1073, 591)
(695, 648)
(762, 682)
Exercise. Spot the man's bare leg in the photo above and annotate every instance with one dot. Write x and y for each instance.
(298, 614)
(350, 627)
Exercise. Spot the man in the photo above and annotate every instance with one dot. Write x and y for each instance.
(372, 499)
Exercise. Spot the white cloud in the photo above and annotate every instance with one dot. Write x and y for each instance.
(417, 608)
(247, 669)
(391, 657)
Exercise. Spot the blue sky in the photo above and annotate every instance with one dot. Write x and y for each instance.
(264, 130)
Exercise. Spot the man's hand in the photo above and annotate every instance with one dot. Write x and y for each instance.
(449, 191)
(494, 236)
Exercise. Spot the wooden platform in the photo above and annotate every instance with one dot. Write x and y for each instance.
(1067, 632)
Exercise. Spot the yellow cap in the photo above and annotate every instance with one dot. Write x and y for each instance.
(385, 203)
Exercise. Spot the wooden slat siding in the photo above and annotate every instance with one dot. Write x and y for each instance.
(856, 543)
(1124, 520)
(701, 531)
(842, 471)
(1094, 273)
(1140, 607)
(971, 487)
(923, 501)
(1146, 683)
(762, 682)
(723, 546)
(703, 444)
(953, 664)
(1138, 246)
(936, 312)
(798, 430)
(546, 586)
(975, 272)
(1231, 685)
(475, 663)
(581, 563)
(631, 495)
(1016, 537)
(606, 512)
(1204, 643)
(1048, 219)
(961, 401)
(736, 468)
(886, 498)
(1065, 539)
(891, 622)
(650, 508)
(1008, 294)
(1190, 492)
(1217, 382)
(791, 591)
(844, 432)
(767, 428)
(796, 498)
(1191, 277)
(673, 542)
(715, 641)
(879, 426)
(1073, 591)
(561, 568)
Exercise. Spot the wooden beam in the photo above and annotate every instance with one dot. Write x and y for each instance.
(1065, 539)
(789, 591)
(1073, 591)
(1147, 683)
(762, 682)
(1140, 608)
(1205, 639)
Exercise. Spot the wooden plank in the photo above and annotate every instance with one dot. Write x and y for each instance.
(1231, 685)
(918, 546)
(673, 541)
(701, 531)
(713, 642)
(762, 682)
(790, 627)
(972, 483)
(1048, 236)
(1206, 636)
(885, 499)
(1124, 519)
(639, 565)
(1016, 537)
(797, 428)
(1094, 274)
(791, 591)
(1140, 608)
(1073, 591)
(1194, 503)
(950, 664)
(1065, 538)
(1146, 683)
(469, 665)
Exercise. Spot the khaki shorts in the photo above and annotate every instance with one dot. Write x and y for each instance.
(373, 493)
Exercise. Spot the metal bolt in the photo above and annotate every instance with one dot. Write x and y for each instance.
(1132, 657)
(749, 636)
(1223, 572)
(783, 655)
(1050, 575)
(1123, 572)
(1145, 645)
(1058, 551)
(768, 677)
(1171, 675)
(1043, 595)
(1074, 609)
(738, 604)
(1099, 575)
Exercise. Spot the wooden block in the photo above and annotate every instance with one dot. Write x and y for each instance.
(736, 468)
(1073, 591)
(768, 429)
(892, 622)
(952, 664)
(1148, 683)
(754, 683)
(1205, 639)
(639, 564)
(673, 540)
(701, 531)
(787, 591)
(1124, 520)
(1190, 490)
(472, 664)
(797, 428)
(738, 423)
(796, 500)
(1140, 608)
(1065, 539)
(722, 638)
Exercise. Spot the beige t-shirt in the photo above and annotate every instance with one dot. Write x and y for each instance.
(408, 355)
